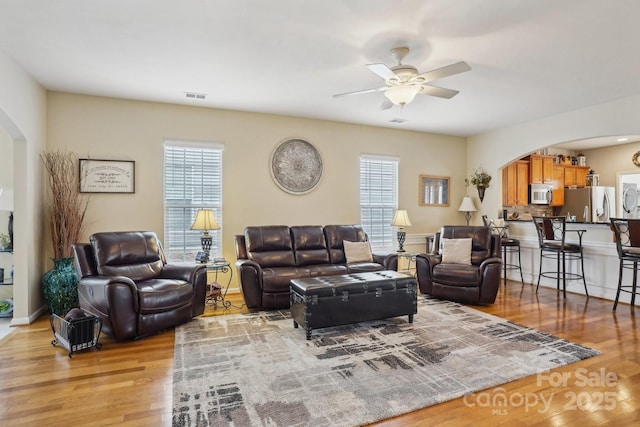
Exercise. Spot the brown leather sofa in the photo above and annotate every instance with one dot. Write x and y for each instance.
(477, 283)
(125, 279)
(268, 257)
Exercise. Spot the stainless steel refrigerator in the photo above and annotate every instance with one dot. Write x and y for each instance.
(590, 204)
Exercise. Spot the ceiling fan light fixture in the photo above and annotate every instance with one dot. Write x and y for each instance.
(402, 94)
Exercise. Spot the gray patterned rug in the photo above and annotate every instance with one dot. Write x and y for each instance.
(257, 370)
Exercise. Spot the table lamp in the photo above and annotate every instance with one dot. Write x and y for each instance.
(401, 220)
(468, 207)
(205, 221)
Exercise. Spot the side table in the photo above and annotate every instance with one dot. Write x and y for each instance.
(411, 259)
(217, 293)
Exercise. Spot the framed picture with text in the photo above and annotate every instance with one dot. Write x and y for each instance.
(107, 176)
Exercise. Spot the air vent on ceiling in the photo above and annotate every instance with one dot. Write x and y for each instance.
(196, 95)
(397, 120)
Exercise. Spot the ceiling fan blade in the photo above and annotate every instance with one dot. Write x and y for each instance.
(360, 92)
(448, 70)
(383, 71)
(386, 104)
(440, 92)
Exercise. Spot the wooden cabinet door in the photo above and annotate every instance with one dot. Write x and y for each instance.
(508, 185)
(515, 184)
(558, 185)
(581, 176)
(522, 174)
(540, 169)
(535, 169)
(570, 176)
(547, 170)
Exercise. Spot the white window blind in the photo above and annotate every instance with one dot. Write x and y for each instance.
(192, 181)
(378, 200)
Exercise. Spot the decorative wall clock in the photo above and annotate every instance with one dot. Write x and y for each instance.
(296, 166)
(635, 159)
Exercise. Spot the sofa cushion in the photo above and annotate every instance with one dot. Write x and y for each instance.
(456, 275)
(456, 251)
(162, 295)
(309, 245)
(357, 252)
(270, 246)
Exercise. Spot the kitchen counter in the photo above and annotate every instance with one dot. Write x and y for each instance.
(600, 257)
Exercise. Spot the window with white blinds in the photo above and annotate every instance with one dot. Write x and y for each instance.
(378, 200)
(192, 181)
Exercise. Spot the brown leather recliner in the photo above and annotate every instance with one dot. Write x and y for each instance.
(477, 283)
(124, 278)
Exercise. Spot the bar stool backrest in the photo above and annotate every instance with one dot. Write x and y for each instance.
(626, 234)
(550, 228)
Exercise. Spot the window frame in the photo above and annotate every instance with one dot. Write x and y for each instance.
(181, 244)
(381, 234)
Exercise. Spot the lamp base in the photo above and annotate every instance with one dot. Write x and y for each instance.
(401, 236)
(468, 217)
(206, 242)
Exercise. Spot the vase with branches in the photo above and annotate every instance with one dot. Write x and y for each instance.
(480, 179)
(66, 210)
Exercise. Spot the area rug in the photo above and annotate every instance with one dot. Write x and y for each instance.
(257, 370)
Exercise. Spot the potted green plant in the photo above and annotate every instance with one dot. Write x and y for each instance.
(480, 179)
(66, 209)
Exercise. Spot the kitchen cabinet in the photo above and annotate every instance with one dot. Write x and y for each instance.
(541, 169)
(558, 185)
(575, 175)
(515, 184)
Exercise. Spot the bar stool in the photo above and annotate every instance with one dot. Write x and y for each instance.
(509, 247)
(627, 237)
(552, 231)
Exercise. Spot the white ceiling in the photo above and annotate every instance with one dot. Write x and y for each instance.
(530, 58)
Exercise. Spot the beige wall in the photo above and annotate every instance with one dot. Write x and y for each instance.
(608, 162)
(105, 128)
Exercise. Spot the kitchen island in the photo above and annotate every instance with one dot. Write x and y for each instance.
(600, 259)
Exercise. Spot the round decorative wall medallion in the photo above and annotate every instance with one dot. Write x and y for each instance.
(296, 166)
(635, 159)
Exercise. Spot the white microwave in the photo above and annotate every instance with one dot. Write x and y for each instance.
(540, 194)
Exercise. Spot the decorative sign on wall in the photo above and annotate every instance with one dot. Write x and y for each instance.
(107, 176)
(296, 166)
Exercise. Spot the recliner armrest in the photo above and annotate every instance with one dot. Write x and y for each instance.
(250, 281)
(186, 271)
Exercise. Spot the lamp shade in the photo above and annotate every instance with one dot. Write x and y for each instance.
(401, 219)
(403, 94)
(467, 205)
(205, 220)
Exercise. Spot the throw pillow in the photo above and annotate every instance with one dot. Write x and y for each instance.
(357, 251)
(456, 251)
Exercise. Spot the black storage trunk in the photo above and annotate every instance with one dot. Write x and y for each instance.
(320, 302)
(76, 334)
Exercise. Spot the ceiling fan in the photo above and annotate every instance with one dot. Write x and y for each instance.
(403, 83)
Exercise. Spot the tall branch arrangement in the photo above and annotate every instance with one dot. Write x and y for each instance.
(65, 206)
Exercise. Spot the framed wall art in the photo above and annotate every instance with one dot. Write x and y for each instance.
(296, 166)
(434, 190)
(107, 176)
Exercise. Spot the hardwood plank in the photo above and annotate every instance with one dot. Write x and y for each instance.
(130, 382)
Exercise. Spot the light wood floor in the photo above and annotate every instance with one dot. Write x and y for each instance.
(129, 383)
